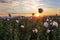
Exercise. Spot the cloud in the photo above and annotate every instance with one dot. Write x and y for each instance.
(51, 3)
(20, 5)
(14, 3)
(28, 5)
(5, 1)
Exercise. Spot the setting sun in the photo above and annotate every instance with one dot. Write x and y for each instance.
(37, 14)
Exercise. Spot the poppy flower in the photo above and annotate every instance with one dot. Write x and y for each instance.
(55, 23)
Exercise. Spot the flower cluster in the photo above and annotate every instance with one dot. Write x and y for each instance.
(53, 23)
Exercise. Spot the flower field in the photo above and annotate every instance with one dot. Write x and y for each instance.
(21, 28)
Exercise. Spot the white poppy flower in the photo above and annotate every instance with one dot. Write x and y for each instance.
(47, 19)
(46, 24)
(33, 30)
(22, 26)
(36, 30)
(51, 23)
(7, 19)
(17, 21)
(50, 20)
(48, 31)
(55, 24)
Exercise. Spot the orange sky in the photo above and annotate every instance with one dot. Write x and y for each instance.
(30, 14)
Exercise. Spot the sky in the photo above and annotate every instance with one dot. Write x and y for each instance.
(30, 6)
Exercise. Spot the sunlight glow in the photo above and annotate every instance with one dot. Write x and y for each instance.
(37, 14)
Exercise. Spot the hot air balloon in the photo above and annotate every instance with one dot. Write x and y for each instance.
(40, 10)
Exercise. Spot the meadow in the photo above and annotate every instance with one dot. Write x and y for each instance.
(10, 29)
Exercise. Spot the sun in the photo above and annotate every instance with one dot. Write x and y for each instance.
(37, 14)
